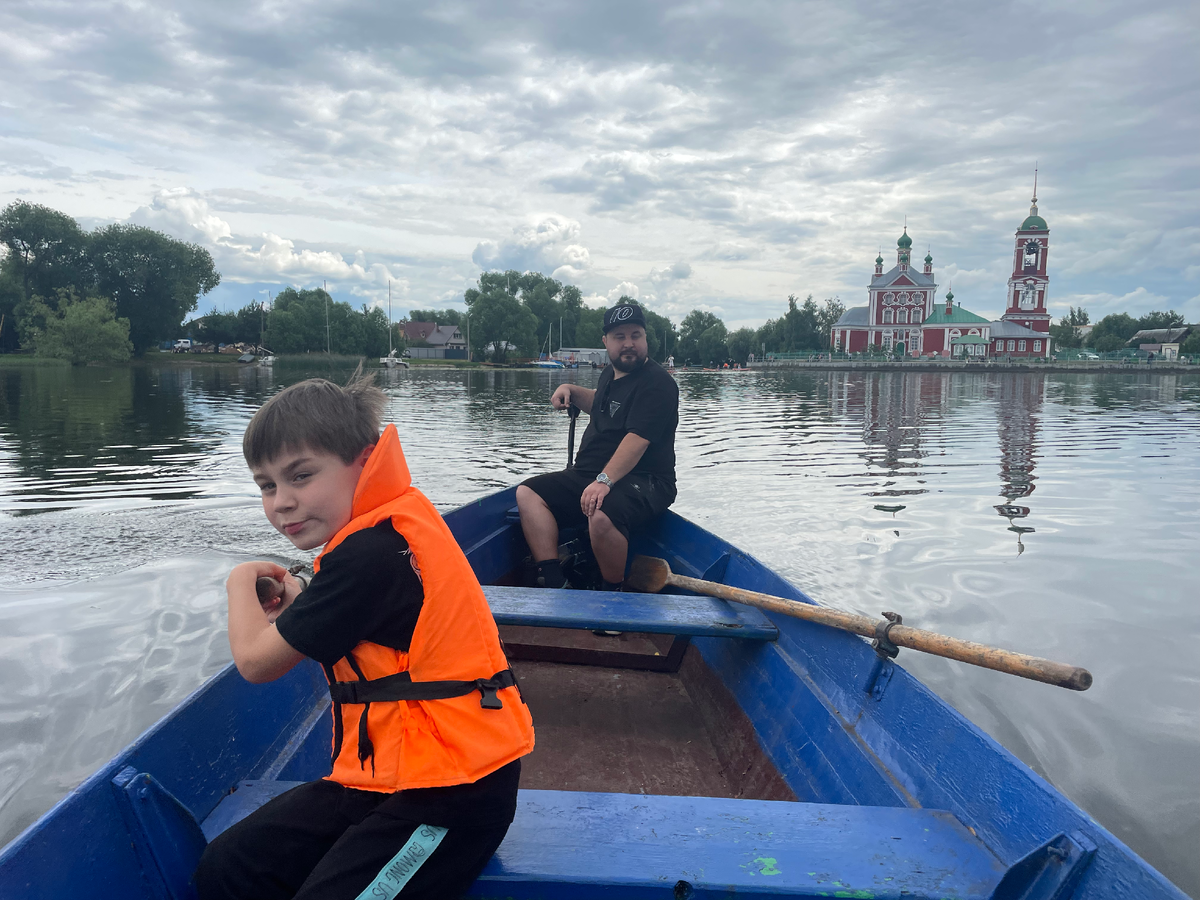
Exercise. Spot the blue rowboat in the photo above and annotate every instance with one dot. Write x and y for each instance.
(706, 751)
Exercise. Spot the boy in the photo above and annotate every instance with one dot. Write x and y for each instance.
(426, 754)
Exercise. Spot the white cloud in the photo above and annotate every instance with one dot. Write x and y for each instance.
(549, 245)
(185, 214)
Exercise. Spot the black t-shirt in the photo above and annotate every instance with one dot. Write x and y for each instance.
(645, 403)
(368, 589)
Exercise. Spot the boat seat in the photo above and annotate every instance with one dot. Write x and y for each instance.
(564, 843)
(677, 614)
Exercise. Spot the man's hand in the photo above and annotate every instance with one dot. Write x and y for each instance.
(593, 498)
(561, 398)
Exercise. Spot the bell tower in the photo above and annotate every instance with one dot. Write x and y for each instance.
(1029, 283)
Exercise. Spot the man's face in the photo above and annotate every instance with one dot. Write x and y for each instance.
(626, 345)
(308, 495)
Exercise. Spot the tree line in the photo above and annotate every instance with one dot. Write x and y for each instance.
(93, 296)
(1114, 331)
(514, 313)
(298, 321)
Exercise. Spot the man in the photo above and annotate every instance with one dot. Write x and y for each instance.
(625, 471)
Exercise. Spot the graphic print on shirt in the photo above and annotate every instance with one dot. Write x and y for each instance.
(412, 561)
(613, 406)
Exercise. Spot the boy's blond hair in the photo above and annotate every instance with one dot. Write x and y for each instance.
(319, 415)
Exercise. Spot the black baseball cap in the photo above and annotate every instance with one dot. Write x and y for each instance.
(623, 314)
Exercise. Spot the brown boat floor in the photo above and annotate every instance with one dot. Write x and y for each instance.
(631, 731)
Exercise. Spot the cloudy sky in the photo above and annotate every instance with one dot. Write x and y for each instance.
(718, 155)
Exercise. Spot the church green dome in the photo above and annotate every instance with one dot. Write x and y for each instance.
(905, 241)
(949, 296)
(879, 260)
(928, 258)
(1034, 223)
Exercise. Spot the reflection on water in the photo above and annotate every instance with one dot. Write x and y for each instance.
(1054, 514)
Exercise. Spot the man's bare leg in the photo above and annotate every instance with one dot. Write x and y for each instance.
(539, 525)
(609, 547)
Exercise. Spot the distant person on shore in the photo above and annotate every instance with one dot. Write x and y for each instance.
(425, 773)
(624, 474)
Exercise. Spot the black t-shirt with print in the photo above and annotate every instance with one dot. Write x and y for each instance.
(645, 403)
(368, 589)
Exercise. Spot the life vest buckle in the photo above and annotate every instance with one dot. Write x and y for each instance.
(488, 689)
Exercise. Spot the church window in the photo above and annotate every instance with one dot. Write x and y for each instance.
(1037, 346)
(955, 333)
(902, 316)
(1031, 254)
(887, 315)
(916, 315)
(1012, 345)
(999, 346)
(889, 297)
(903, 296)
(974, 332)
(1020, 345)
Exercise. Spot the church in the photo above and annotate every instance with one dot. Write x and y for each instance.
(903, 316)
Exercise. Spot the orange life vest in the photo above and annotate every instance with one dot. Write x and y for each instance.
(480, 722)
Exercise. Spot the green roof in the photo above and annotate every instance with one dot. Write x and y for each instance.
(958, 316)
(905, 241)
(1034, 223)
(970, 339)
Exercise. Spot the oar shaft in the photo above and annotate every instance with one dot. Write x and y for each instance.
(1033, 667)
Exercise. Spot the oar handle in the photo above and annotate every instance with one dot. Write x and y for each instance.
(1033, 667)
(573, 412)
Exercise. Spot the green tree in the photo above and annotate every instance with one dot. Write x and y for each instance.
(1156, 319)
(440, 316)
(47, 249)
(11, 295)
(154, 279)
(83, 330)
(589, 332)
(307, 321)
(1191, 346)
(741, 344)
(1111, 332)
(1066, 333)
(499, 319)
(800, 328)
(827, 318)
(702, 338)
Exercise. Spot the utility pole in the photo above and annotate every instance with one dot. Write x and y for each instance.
(325, 290)
(389, 318)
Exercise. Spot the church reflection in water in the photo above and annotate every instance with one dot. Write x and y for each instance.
(904, 416)
(1018, 411)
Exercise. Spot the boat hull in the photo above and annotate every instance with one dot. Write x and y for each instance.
(877, 761)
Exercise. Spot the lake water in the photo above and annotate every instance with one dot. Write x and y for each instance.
(124, 502)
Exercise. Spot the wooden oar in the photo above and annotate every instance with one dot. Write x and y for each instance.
(650, 575)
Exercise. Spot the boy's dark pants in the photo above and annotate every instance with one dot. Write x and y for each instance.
(323, 841)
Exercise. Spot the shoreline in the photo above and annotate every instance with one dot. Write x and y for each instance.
(1104, 366)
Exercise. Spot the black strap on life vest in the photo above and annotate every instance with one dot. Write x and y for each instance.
(392, 688)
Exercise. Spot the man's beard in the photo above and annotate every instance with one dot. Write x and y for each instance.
(622, 366)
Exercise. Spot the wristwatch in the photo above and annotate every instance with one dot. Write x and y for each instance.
(604, 480)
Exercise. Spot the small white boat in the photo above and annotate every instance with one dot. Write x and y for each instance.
(549, 364)
(392, 361)
(266, 360)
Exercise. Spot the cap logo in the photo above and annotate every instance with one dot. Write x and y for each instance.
(622, 313)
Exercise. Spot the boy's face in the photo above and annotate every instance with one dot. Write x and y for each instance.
(308, 494)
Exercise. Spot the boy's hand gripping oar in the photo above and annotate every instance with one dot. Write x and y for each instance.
(573, 412)
(650, 575)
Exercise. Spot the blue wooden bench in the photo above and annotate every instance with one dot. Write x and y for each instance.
(566, 844)
(680, 615)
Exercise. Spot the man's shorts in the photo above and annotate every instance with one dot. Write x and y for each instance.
(634, 499)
